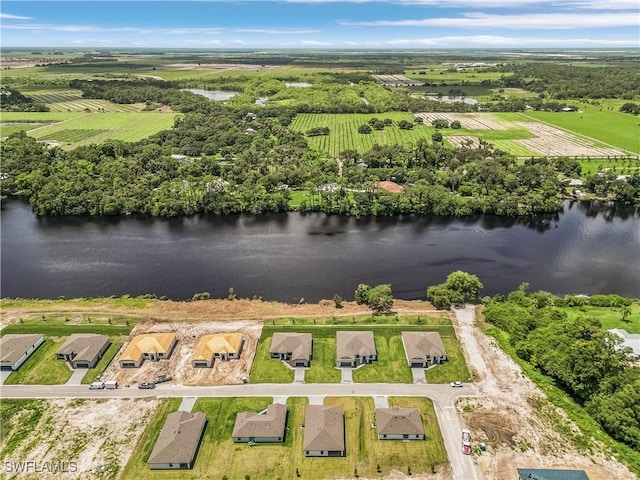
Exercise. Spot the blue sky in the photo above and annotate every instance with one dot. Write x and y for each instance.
(327, 24)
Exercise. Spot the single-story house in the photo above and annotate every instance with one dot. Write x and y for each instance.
(223, 346)
(423, 348)
(267, 426)
(15, 348)
(355, 348)
(398, 423)
(178, 442)
(294, 348)
(324, 431)
(148, 346)
(550, 474)
(631, 340)
(83, 350)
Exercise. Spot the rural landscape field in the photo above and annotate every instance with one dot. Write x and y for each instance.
(320, 240)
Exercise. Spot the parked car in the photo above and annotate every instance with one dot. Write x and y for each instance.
(146, 385)
(96, 386)
(466, 449)
(466, 436)
(456, 384)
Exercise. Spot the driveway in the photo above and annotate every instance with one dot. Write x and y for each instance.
(298, 375)
(381, 401)
(76, 377)
(3, 375)
(347, 375)
(418, 375)
(187, 404)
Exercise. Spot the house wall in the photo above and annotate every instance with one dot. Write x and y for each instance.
(400, 437)
(258, 439)
(299, 363)
(27, 354)
(131, 363)
(169, 466)
(201, 364)
(323, 453)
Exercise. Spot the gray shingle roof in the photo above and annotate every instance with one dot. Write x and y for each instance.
(179, 438)
(15, 345)
(85, 346)
(551, 474)
(324, 428)
(350, 344)
(269, 424)
(297, 344)
(420, 344)
(399, 421)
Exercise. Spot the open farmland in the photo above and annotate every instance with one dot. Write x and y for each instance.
(70, 100)
(344, 131)
(98, 127)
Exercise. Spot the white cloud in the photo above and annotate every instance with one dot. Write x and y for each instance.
(316, 43)
(238, 42)
(500, 41)
(93, 28)
(540, 21)
(276, 31)
(8, 16)
(591, 4)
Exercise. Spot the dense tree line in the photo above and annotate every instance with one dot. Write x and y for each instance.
(12, 100)
(584, 360)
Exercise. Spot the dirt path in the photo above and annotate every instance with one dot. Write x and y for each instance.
(514, 418)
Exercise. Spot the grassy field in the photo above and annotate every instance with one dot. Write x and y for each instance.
(391, 366)
(619, 167)
(608, 126)
(125, 301)
(42, 368)
(608, 316)
(98, 127)
(219, 456)
(93, 373)
(344, 131)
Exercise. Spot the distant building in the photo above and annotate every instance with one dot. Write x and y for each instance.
(324, 431)
(575, 182)
(631, 340)
(391, 187)
(294, 348)
(355, 348)
(550, 474)
(267, 426)
(178, 442)
(423, 348)
(398, 423)
(222, 346)
(148, 346)
(16, 348)
(83, 350)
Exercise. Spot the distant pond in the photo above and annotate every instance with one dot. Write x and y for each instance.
(298, 84)
(218, 95)
(586, 248)
(446, 98)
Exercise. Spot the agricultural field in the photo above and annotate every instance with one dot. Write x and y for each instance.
(344, 131)
(220, 457)
(98, 127)
(70, 100)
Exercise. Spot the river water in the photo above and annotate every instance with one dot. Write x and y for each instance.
(584, 249)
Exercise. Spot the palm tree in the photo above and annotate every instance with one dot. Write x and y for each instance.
(626, 311)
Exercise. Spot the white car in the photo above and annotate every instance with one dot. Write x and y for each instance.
(456, 384)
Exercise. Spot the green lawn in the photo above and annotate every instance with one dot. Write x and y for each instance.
(609, 317)
(618, 167)
(218, 456)
(126, 301)
(42, 368)
(390, 367)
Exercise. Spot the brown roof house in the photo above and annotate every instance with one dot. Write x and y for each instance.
(392, 187)
(355, 348)
(324, 431)
(423, 348)
(294, 348)
(263, 427)
(398, 423)
(223, 346)
(83, 350)
(149, 346)
(16, 348)
(178, 442)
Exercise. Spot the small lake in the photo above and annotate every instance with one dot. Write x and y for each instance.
(262, 101)
(298, 84)
(586, 248)
(218, 95)
(446, 98)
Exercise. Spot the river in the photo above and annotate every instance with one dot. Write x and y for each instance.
(584, 249)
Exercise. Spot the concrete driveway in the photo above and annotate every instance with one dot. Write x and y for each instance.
(347, 375)
(76, 377)
(418, 375)
(187, 404)
(298, 375)
(3, 375)
(381, 401)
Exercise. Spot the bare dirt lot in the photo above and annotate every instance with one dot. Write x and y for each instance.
(97, 435)
(520, 427)
(179, 367)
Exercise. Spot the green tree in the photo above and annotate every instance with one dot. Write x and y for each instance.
(467, 284)
(380, 298)
(364, 129)
(626, 311)
(361, 292)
